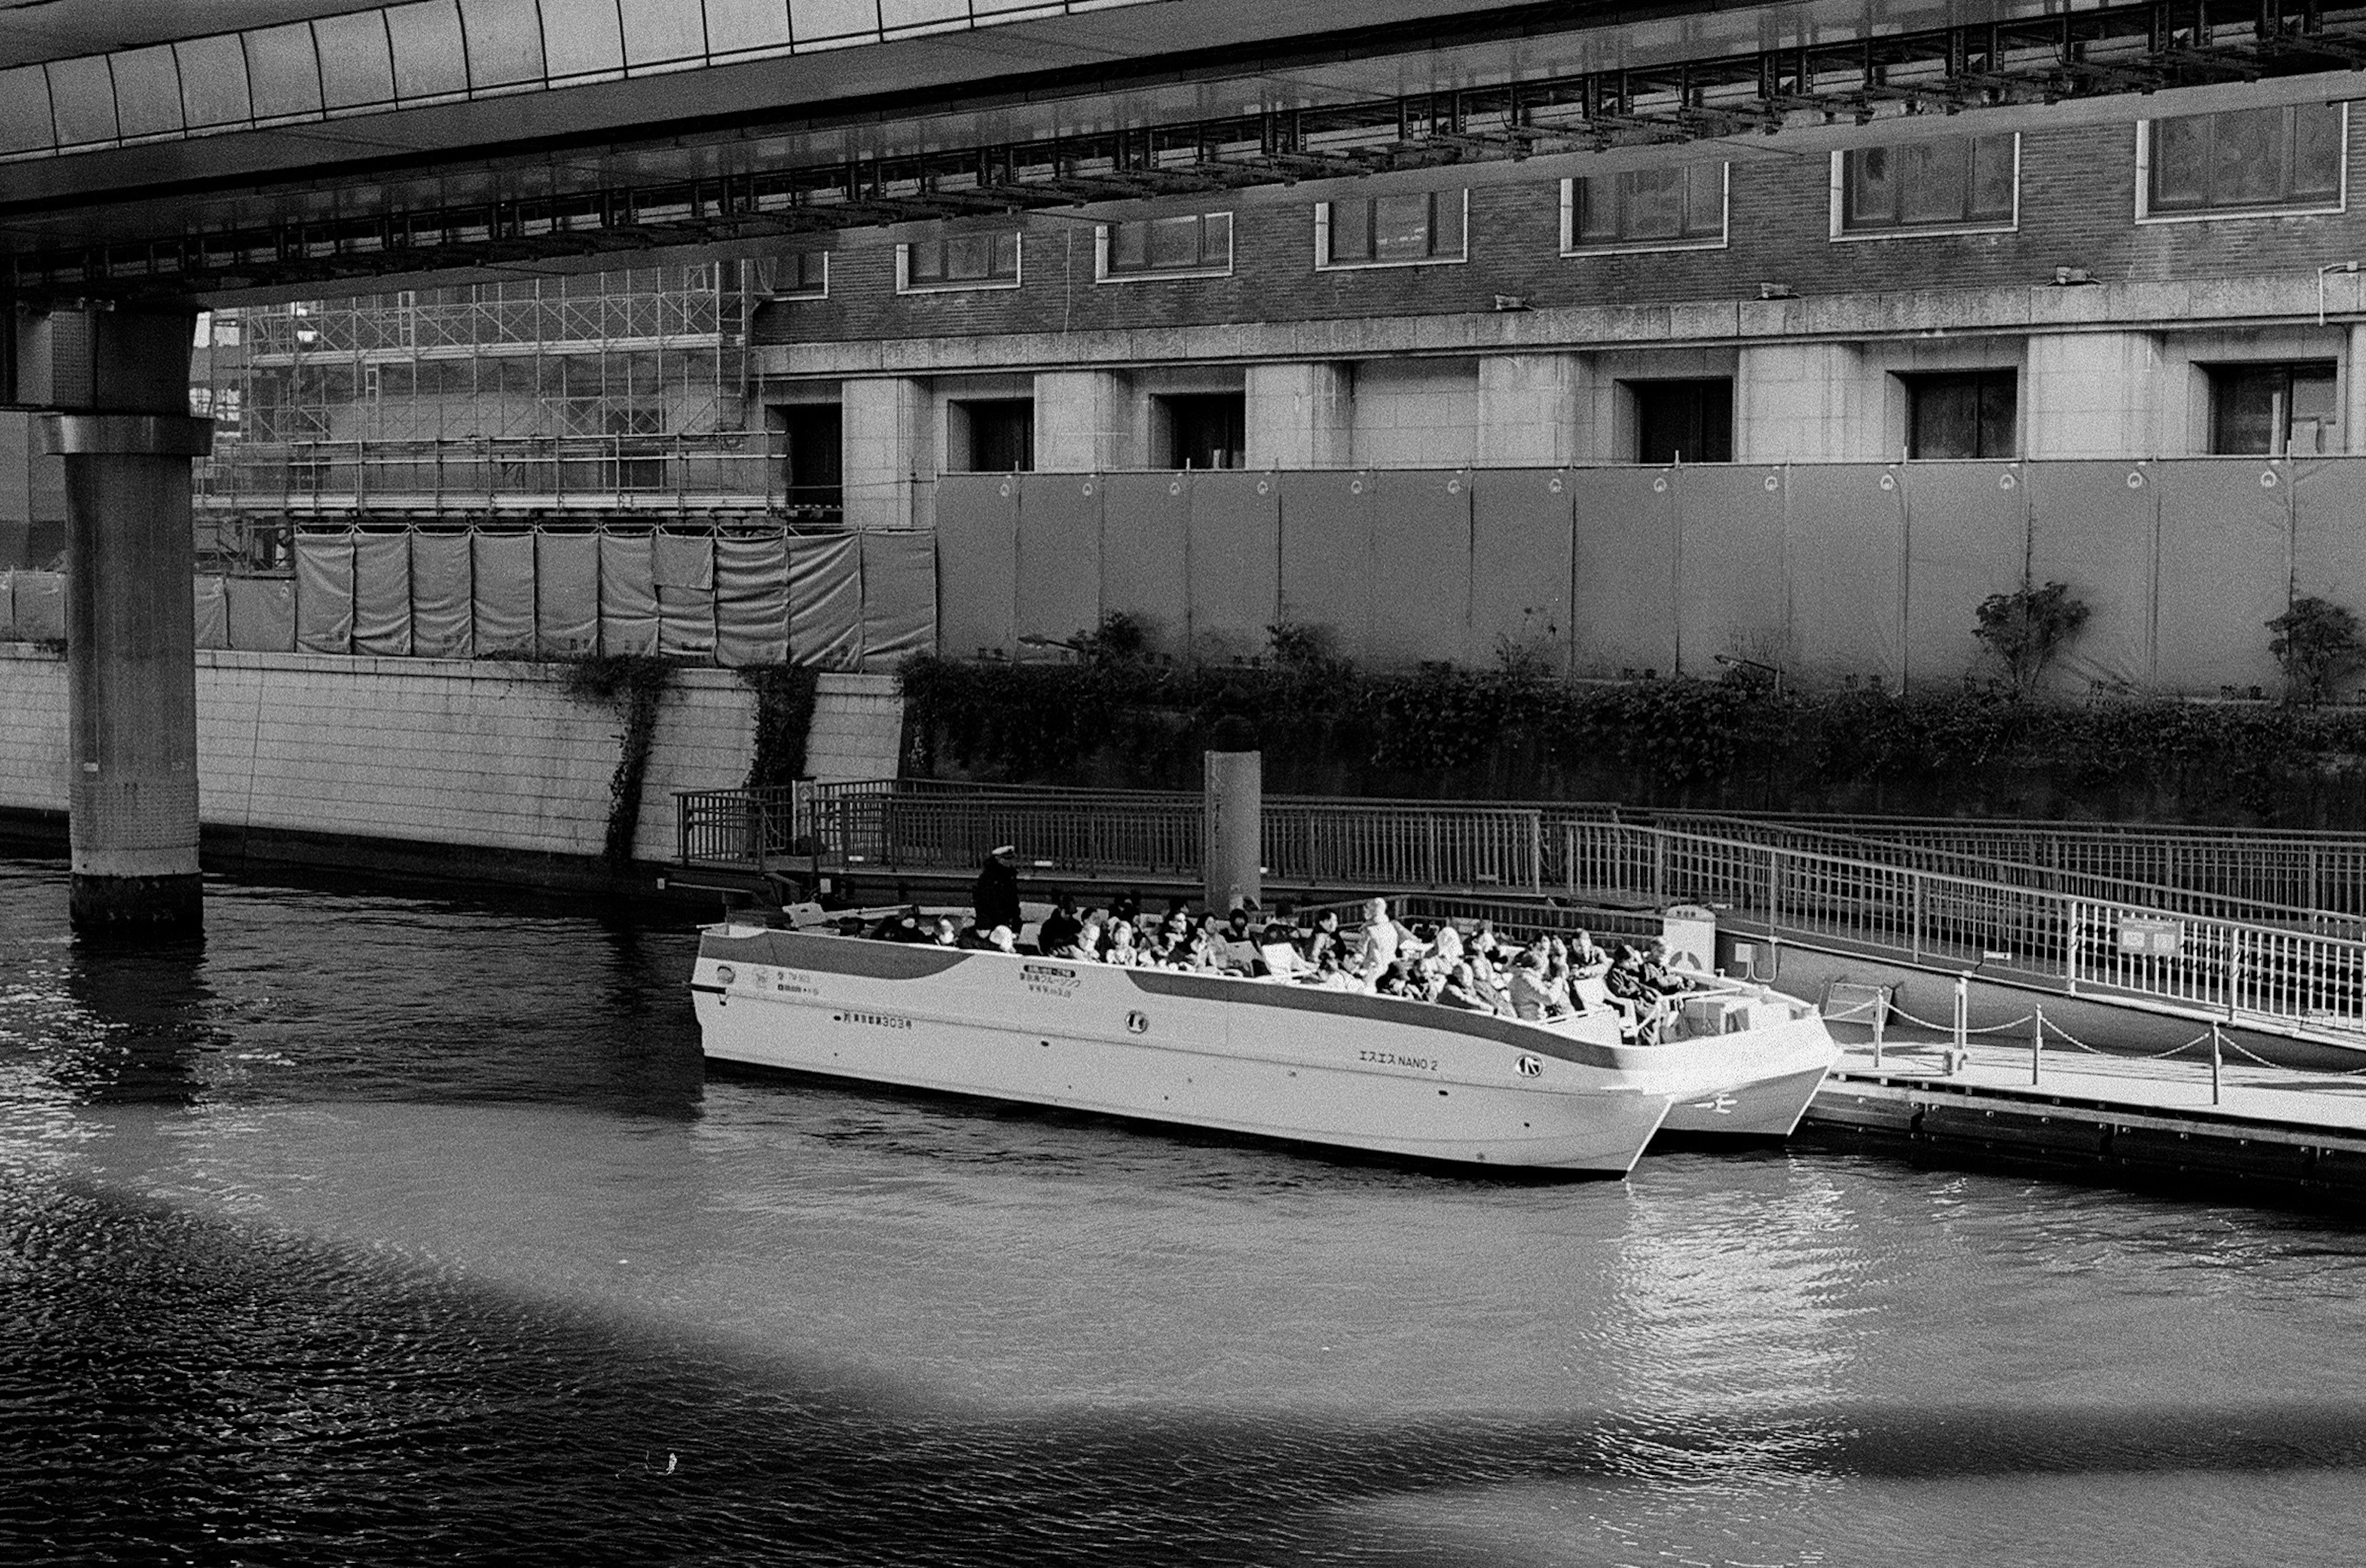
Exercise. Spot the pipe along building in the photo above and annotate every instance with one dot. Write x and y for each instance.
(1632, 338)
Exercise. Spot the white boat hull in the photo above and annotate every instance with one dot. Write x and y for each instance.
(1374, 1074)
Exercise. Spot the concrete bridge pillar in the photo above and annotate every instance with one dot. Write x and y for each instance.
(130, 626)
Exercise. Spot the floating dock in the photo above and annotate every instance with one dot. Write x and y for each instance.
(2242, 1132)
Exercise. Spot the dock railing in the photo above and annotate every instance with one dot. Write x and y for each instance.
(2196, 962)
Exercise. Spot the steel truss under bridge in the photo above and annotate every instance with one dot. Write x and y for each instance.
(2113, 49)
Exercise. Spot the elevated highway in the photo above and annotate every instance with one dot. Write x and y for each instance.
(156, 158)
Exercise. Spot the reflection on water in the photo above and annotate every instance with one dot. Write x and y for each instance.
(381, 1229)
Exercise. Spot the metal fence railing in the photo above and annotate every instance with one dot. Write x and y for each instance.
(740, 826)
(730, 470)
(2235, 968)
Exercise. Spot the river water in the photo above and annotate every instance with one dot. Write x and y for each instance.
(384, 1230)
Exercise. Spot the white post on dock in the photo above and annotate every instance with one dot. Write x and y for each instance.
(1233, 869)
(1959, 1049)
(2213, 1061)
(2036, 1042)
(1881, 1021)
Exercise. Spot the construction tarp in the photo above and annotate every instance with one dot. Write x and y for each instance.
(325, 593)
(752, 600)
(1328, 567)
(1733, 592)
(261, 614)
(1624, 531)
(1845, 550)
(2225, 571)
(382, 594)
(1059, 573)
(442, 596)
(826, 601)
(1519, 564)
(39, 602)
(1421, 565)
(977, 563)
(1234, 567)
(628, 595)
(900, 598)
(7, 605)
(1967, 538)
(565, 595)
(683, 574)
(2094, 526)
(1145, 529)
(501, 568)
(212, 607)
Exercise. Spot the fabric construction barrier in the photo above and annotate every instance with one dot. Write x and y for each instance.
(442, 594)
(1520, 542)
(213, 613)
(628, 594)
(325, 593)
(1058, 577)
(1145, 533)
(1233, 561)
(826, 601)
(2224, 572)
(900, 598)
(2095, 528)
(977, 563)
(1967, 538)
(1421, 565)
(682, 573)
(1327, 573)
(261, 614)
(33, 605)
(500, 595)
(1623, 607)
(752, 600)
(1733, 595)
(565, 595)
(382, 594)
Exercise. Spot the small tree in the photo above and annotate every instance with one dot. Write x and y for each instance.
(2316, 643)
(2026, 627)
(1120, 639)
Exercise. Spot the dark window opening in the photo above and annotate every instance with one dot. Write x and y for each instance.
(1678, 206)
(2245, 159)
(812, 435)
(959, 260)
(1001, 436)
(640, 449)
(1683, 422)
(2270, 410)
(802, 276)
(1949, 183)
(1206, 430)
(1411, 227)
(1970, 415)
(1200, 242)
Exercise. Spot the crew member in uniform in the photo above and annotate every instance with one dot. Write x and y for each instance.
(994, 895)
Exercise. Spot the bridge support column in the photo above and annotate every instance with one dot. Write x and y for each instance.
(1234, 828)
(131, 695)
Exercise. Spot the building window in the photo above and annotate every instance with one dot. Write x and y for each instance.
(814, 439)
(999, 435)
(1198, 244)
(2271, 159)
(1971, 415)
(1206, 430)
(805, 276)
(1407, 230)
(2270, 410)
(1947, 185)
(1645, 209)
(1683, 422)
(958, 261)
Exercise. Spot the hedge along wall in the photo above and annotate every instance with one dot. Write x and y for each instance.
(831, 602)
(1846, 570)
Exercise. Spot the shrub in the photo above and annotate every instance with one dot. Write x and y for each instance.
(2316, 643)
(2026, 627)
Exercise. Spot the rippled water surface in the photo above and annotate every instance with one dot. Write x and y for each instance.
(388, 1230)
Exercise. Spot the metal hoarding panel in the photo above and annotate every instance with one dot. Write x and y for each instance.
(1967, 538)
(1059, 571)
(325, 593)
(2094, 525)
(978, 562)
(1844, 549)
(261, 614)
(1733, 587)
(1145, 534)
(382, 594)
(752, 600)
(1521, 532)
(826, 601)
(1420, 565)
(213, 613)
(1326, 557)
(900, 598)
(39, 601)
(628, 594)
(2226, 572)
(502, 585)
(1234, 562)
(441, 595)
(565, 595)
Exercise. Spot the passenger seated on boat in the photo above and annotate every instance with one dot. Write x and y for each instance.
(1585, 958)
(1119, 948)
(1660, 976)
(1448, 942)
(1376, 945)
(1624, 983)
(1321, 938)
(1460, 990)
(946, 933)
(1562, 1001)
(1487, 984)
(1235, 945)
(1524, 989)
(1002, 939)
(1330, 976)
(1060, 927)
(1482, 941)
(1083, 942)
(1399, 980)
(902, 925)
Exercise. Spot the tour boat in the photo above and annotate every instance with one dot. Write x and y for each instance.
(1256, 1056)
(1267, 1058)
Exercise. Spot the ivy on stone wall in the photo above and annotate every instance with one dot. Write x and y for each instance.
(632, 684)
(1731, 743)
(784, 710)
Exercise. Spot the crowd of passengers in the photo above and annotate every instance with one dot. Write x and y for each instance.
(1476, 971)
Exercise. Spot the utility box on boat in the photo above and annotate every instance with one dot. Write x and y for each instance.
(1690, 933)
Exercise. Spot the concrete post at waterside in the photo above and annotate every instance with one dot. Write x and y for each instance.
(1234, 806)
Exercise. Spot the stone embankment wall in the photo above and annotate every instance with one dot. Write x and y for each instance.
(489, 767)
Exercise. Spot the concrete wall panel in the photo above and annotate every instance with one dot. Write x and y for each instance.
(1844, 551)
(1145, 534)
(1234, 558)
(1623, 611)
(1520, 563)
(1329, 564)
(1967, 538)
(2225, 571)
(977, 556)
(1734, 595)
(2095, 526)
(1059, 571)
(1421, 565)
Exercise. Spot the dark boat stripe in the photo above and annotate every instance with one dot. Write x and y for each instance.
(834, 954)
(1386, 1009)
